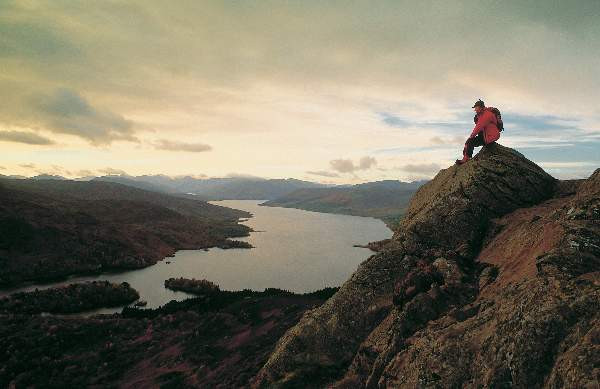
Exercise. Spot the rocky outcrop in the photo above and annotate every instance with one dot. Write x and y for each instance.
(452, 211)
(490, 281)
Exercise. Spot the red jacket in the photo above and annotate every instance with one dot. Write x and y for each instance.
(487, 123)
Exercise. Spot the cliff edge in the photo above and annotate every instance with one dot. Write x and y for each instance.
(492, 279)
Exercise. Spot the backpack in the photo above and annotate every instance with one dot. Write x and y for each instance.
(495, 111)
(500, 123)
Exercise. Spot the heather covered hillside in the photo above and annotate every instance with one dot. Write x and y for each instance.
(97, 190)
(50, 229)
(216, 340)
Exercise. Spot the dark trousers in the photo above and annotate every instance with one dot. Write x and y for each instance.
(471, 143)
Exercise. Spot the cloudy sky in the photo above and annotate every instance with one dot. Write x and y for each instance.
(336, 91)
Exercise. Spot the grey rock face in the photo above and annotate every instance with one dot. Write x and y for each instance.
(412, 315)
(452, 211)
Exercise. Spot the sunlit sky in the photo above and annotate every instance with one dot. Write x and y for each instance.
(333, 92)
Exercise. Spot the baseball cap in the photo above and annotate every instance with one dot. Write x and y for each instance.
(478, 103)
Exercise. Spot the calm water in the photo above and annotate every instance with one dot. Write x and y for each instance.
(293, 249)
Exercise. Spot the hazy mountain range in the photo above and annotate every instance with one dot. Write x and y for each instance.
(228, 188)
(225, 188)
(385, 200)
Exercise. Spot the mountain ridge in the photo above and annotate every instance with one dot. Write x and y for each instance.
(386, 200)
(227, 188)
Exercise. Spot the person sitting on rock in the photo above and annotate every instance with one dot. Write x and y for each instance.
(485, 131)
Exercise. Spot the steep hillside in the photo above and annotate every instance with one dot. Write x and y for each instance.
(50, 229)
(216, 341)
(98, 190)
(386, 200)
(491, 280)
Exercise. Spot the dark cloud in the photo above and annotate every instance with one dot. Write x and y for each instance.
(366, 163)
(342, 165)
(28, 165)
(323, 173)
(423, 168)
(29, 138)
(66, 111)
(30, 40)
(164, 144)
(2, 168)
(137, 39)
(347, 166)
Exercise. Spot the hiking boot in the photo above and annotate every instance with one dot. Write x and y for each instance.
(461, 161)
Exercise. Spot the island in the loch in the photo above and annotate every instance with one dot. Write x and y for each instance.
(193, 286)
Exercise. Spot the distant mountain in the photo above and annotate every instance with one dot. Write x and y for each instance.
(136, 183)
(14, 176)
(54, 228)
(229, 188)
(247, 189)
(48, 177)
(386, 199)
